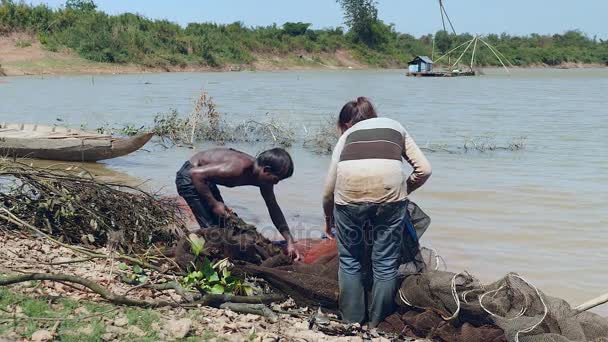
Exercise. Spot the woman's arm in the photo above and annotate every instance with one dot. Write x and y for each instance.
(330, 185)
(422, 168)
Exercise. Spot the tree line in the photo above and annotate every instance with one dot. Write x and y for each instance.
(132, 38)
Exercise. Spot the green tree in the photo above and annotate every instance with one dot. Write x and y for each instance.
(132, 38)
(443, 41)
(295, 29)
(361, 16)
(81, 5)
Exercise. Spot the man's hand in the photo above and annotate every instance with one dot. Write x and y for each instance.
(220, 210)
(291, 248)
(292, 251)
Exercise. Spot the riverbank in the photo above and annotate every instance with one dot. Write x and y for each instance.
(23, 55)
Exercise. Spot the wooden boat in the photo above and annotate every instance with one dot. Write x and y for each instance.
(66, 144)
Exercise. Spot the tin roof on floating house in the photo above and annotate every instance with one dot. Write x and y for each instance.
(425, 59)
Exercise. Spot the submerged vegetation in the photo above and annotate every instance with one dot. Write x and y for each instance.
(205, 124)
(132, 38)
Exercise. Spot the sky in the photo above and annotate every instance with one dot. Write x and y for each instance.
(518, 17)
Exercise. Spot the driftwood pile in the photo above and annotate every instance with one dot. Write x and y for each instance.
(68, 203)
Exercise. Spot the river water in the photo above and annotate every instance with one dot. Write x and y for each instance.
(540, 211)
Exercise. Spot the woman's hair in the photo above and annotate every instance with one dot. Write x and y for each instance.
(356, 111)
(278, 160)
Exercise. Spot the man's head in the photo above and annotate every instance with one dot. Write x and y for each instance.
(355, 111)
(275, 165)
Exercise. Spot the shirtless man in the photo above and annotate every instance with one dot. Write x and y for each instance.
(198, 178)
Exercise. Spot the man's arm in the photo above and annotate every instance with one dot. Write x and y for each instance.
(278, 219)
(276, 215)
(200, 179)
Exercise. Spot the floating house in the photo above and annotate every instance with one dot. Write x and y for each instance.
(421, 64)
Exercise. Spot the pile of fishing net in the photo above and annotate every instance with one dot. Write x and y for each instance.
(456, 307)
(439, 305)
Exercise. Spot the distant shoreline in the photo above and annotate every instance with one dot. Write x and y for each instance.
(35, 60)
(116, 69)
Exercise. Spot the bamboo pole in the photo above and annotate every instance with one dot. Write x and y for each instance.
(603, 299)
(463, 52)
(500, 60)
(442, 19)
(473, 54)
(501, 55)
(433, 51)
(446, 54)
(448, 17)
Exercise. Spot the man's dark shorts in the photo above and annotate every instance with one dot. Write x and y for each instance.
(200, 208)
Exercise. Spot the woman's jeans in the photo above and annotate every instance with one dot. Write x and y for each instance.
(369, 231)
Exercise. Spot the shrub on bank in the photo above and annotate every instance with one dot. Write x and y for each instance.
(132, 38)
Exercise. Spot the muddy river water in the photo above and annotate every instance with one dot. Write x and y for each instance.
(541, 211)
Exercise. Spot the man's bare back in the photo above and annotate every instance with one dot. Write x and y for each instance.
(236, 167)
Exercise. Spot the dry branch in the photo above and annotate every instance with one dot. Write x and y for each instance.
(93, 286)
(72, 205)
(215, 300)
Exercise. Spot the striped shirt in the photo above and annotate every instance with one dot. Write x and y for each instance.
(368, 166)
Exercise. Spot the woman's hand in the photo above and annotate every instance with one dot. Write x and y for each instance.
(329, 224)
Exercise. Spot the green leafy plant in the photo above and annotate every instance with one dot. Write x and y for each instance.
(197, 245)
(211, 277)
(138, 276)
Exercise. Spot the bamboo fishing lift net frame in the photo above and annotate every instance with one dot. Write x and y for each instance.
(474, 42)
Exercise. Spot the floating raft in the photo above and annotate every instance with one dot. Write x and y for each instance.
(64, 144)
(441, 73)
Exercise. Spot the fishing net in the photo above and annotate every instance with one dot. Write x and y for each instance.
(432, 303)
(314, 284)
(451, 304)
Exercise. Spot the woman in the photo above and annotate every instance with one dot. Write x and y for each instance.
(366, 195)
